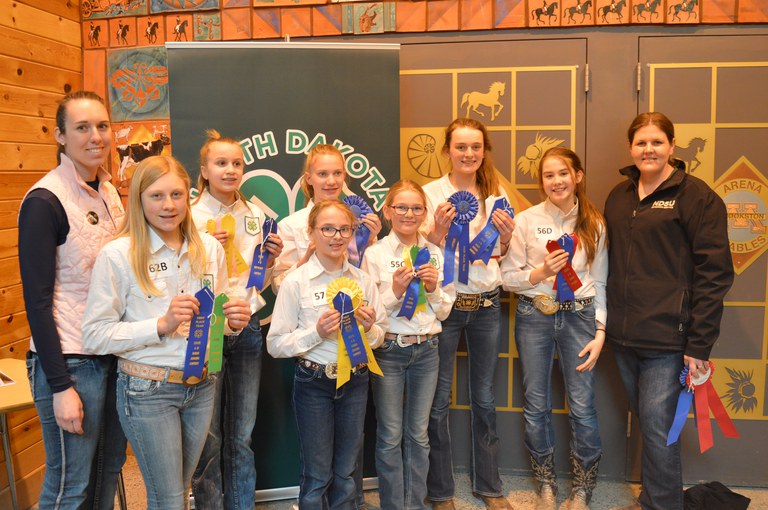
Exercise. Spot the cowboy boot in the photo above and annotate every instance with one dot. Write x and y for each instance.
(584, 481)
(546, 483)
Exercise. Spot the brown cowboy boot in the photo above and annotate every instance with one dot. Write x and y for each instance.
(546, 483)
(584, 481)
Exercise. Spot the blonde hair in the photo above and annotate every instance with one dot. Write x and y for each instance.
(486, 179)
(212, 136)
(327, 204)
(318, 150)
(590, 223)
(404, 185)
(136, 227)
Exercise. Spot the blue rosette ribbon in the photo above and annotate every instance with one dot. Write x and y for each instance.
(483, 244)
(356, 249)
(681, 413)
(412, 293)
(466, 207)
(260, 259)
(567, 281)
(197, 343)
(350, 332)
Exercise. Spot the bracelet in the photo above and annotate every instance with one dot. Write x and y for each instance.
(600, 329)
(505, 244)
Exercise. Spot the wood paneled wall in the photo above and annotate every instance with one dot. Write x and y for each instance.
(40, 60)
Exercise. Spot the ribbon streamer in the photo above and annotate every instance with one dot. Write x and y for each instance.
(260, 259)
(216, 350)
(705, 398)
(235, 262)
(567, 281)
(352, 290)
(415, 291)
(484, 243)
(359, 208)
(197, 343)
(466, 207)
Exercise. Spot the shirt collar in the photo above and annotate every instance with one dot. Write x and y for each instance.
(315, 268)
(555, 211)
(395, 245)
(213, 204)
(156, 243)
(67, 164)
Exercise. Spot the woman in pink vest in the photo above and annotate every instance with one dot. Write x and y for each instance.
(65, 219)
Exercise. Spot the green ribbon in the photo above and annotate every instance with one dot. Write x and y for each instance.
(215, 353)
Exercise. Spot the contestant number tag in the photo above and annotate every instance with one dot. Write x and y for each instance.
(395, 264)
(318, 297)
(157, 267)
(545, 232)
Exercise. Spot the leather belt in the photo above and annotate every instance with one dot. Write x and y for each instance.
(548, 306)
(329, 369)
(154, 373)
(408, 340)
(473, 302)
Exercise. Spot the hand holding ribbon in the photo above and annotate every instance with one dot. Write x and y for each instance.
(414, 294)
(466, 207)
(226, 225)
(216, 352)
(260, 259)
(567, 281)
(484, 243)
(703, 394)
(360, 209)
(197, 343)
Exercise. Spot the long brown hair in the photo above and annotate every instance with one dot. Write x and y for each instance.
(149, 171)
(590, 223)
(486, 179)
(212, 136)
(318, 150)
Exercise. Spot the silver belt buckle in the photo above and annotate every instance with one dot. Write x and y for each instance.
(331, 370)
(578, 306)
(487, 303)
(400, 342)
(546, 304)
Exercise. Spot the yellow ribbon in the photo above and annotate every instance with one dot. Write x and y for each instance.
(235, 262)
(343, 364)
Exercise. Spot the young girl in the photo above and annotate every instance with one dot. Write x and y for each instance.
(477, 313)
(323, 178)
(330, 420)
(408, 358)
(549, 321)
(65, 219)
(140, 304)
(227, 472)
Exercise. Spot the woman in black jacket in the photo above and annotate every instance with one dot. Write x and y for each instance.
(670, 269)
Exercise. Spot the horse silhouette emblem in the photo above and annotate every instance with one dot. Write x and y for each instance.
(689, 154)
(180, 30)
(151, 32)
(93, 35)
(582, 9)
(649, 7)
(490, 99)
(122, 31)
(685, 6)
(614, 8)
(548, 11)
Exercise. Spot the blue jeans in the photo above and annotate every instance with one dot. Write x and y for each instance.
(81, 471)
(330, 423)
(538, 337)
(226, 474)
(651, 381)
(166, 424)
(403, 399)
(482, 330)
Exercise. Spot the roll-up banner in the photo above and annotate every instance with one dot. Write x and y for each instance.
(279, 100)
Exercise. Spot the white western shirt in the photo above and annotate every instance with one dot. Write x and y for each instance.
(121, 319)
(293, 232)
(482, 278)
(534, 227)
(248, 222)
(382, 260)
(300, 303)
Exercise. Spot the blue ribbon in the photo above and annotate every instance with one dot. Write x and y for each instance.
(482, 246)
(260, 259)
(564, 291)
(466, 207)
(356, 250)
(197, 343)
(411, 299)
(681, 413)
(350, 333)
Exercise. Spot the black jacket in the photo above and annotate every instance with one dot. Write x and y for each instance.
(670, 265)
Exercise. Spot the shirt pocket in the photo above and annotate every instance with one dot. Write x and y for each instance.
(145, 303)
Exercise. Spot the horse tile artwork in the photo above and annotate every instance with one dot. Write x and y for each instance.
(576, 12)
(122, 32)
(95, 34)
(178, 27)
(682, 11)
(207, 26)
(647, 11)
(544, 14)
(151, 30)
(612, 12)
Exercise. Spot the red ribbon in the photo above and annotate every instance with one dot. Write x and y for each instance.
(706, 399)
(571, 278)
